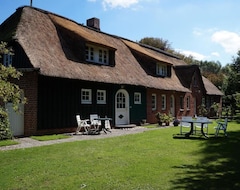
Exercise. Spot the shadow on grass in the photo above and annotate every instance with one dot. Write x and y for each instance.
(219, 168)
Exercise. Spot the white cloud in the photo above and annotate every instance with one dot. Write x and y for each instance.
(195, 55)
(216, 54)
(230, 41)
(118, 3)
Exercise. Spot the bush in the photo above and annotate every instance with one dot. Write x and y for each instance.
(5, 132)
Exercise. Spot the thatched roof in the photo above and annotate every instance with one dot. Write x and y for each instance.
(44, 38)
(210, 88)
(185, 74)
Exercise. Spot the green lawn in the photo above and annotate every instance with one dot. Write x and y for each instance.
(50, 137)
(7, 142)
(149, 160)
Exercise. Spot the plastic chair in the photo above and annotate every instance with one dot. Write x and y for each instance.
(82, 124)
(107, 125)
(183, 123)
(198, 125)
(221, 126)
(94, 122)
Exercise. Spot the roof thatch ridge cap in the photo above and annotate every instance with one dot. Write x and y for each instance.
(158, 50)
(187, 65)
(151, 48)
(49, 12)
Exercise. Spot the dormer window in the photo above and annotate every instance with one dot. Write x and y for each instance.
(97, 54)
(7, 60)
(161, 69)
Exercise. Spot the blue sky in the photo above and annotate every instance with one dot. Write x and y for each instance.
(206, 29)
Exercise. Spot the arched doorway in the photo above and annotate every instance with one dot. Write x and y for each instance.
(122, 107)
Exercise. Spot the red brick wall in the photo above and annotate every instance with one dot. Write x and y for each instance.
(151, 113)
(29, 83)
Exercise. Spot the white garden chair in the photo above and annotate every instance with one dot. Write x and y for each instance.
(222, 126)
(184, 124)
(82, 125)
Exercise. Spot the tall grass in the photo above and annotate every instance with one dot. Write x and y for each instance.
(149, 160)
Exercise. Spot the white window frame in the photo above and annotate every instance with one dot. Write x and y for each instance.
(7, 59)
(97, 54)
(161, 69)
(101, 96)
(154, 101)
(86, 96)
(164, 102)
(137, 98)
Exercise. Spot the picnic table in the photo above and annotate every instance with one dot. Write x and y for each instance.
(193, 121)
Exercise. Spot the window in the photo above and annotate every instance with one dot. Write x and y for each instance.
(101, 96)
(86, 96)
(137, 98)
(154, 102)
(121, 100)
(97, 54)
(163, 102)
(7, 59)
(181, 103)
(161, 69)
(188, 102)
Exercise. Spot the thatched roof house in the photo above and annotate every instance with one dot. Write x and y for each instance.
(71, 68)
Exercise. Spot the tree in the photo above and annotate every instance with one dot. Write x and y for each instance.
(166, 46)
(9, 92)
(232, 85)
(157, 43)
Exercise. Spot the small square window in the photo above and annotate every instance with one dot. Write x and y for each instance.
(101, 96)
(161, 69)
(137, 98)
(97, 54)
(86, 96)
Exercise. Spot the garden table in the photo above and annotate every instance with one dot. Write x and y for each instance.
(103, 119)
(194, 121)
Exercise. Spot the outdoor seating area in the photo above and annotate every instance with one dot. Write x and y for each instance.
(199, 125)
(94, 125)
(194, 125)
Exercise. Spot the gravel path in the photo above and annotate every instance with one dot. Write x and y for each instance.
(27, 142)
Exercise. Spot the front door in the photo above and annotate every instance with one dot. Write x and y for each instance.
(16, 119)
(122, 107)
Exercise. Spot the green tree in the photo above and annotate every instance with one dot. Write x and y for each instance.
(9, 92)
(157, 42)
(165, 45)
(232, 85)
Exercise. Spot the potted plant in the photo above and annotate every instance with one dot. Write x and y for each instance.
(176, 122)
(158, 116)
(167, 119)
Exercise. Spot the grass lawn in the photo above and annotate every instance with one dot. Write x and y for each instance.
(7, 142)
(50, 137)
(149, 160)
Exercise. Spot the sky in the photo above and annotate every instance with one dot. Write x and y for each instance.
(206, 29)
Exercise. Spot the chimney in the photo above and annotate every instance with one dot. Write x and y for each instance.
(94, 23)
